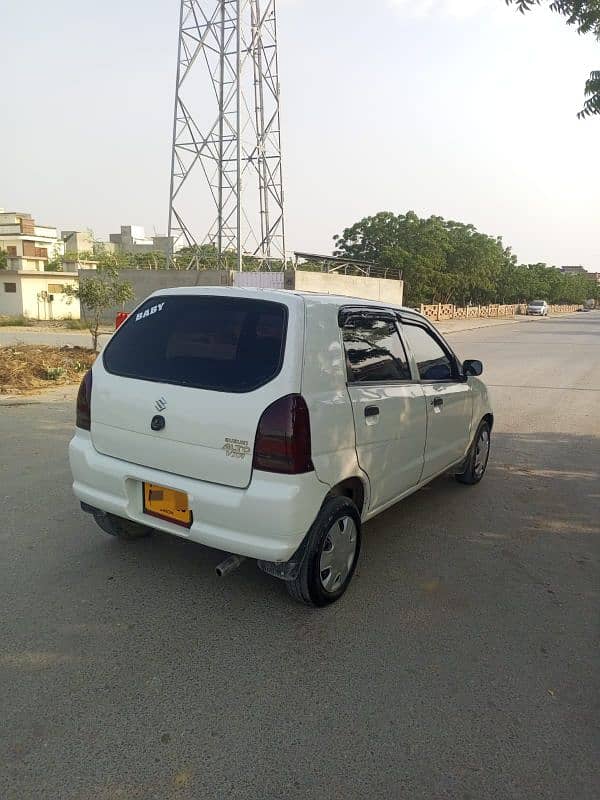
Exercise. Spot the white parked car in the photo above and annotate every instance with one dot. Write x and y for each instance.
(537, 308)
(272, 425)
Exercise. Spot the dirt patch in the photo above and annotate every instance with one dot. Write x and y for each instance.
(29, 367)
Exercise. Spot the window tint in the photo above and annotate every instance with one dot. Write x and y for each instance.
(219, 343)
(432, 361)
(374, 351)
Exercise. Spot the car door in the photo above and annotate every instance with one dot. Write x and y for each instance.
(390, 415)
(448, 396)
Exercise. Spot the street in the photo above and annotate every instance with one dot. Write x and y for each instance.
(462, 663)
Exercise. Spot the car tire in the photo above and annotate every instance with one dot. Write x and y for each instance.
(332, 551)
(478, 457)
(122, 528)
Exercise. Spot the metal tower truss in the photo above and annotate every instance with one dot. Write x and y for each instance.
(226, 177)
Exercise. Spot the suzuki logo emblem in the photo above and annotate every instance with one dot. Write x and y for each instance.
(160, 404)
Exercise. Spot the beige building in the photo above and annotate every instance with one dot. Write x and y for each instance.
(133, 239)
(38, 295)
(28, 246)
(27, 288)
(77, 242)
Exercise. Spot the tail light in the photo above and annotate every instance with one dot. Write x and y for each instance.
(283, 438)
(83, 417)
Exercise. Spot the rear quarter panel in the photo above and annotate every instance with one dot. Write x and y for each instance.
(326, 394)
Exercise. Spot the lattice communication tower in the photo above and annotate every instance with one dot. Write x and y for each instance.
(226, 179)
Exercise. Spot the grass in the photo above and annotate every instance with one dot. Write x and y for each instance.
(76, 324)
(13, 321)
(28, 367)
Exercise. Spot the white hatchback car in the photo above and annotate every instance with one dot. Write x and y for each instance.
(271, 425)
(537, 308)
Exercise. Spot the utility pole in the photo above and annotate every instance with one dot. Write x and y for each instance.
(226, 189)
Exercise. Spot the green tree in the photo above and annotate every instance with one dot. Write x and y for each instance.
(206, 256)
(585, 16)
(97, 294)
(440, 261)
(3, 259)
(443, 261)
(55, 262)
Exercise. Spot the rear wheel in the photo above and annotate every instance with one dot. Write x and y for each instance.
(332, 552)
(122, 528)
(477, 460)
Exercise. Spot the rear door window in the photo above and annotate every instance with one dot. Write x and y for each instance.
(374, 352)
(224, 344)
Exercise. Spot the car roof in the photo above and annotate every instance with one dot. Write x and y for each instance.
(285, 296)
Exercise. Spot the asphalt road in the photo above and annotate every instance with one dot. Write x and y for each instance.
(462, 663)
(56, 337)
(61, 337)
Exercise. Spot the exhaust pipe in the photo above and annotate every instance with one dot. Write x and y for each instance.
(230, 564)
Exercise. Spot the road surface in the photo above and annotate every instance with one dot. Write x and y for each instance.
(56, 337)
(60, 336)
(462, 663)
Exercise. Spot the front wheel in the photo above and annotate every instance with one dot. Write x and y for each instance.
(332, 552)
(478, 457)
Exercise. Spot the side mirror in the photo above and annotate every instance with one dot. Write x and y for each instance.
(473, 367)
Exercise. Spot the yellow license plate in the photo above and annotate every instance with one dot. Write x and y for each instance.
(167, 504)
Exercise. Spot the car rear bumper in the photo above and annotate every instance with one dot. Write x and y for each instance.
(267, 521)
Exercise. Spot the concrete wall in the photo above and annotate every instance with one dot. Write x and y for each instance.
(147, 281)
(26, 264)
(439, 312)
(259, 280)
(382, 289)
(11, 304)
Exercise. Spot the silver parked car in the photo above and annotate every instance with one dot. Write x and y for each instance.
(537, 308)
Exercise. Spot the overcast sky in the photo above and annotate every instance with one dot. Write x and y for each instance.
(461, 108)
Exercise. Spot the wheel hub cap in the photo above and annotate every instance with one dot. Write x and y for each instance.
(482, 452)
(337, 555)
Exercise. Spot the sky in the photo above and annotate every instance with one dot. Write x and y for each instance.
(459, 108)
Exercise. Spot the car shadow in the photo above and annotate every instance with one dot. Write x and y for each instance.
(542, 486)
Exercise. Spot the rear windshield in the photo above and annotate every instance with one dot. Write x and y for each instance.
(225, 344)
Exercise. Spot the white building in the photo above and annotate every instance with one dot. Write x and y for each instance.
(38, 295)
(27, 288)
(28, 246)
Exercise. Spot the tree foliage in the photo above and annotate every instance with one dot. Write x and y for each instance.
(99, 292)
(585, 16)
(206, 256)
(3, 260)
(442, 261)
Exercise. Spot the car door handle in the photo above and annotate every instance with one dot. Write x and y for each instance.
(371, 411)
(437, 402)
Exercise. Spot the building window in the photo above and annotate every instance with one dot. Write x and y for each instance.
(11, 250)
(11, 288)
(56, 288)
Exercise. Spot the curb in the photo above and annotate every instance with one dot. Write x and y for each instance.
(520, 320)
(66, 394)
